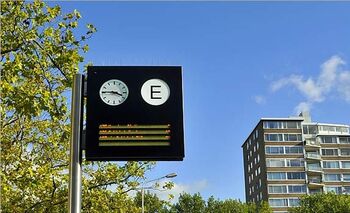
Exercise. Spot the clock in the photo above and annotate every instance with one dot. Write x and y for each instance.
(114, 92)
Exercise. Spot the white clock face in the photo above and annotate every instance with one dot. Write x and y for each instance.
(114, 92)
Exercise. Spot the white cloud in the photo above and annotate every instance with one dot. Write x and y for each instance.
(344, 85)
(316, 90)
(179, 188)
(260, 99)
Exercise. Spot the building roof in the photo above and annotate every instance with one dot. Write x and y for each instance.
(283, 119)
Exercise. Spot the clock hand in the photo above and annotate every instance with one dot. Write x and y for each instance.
(112, 92)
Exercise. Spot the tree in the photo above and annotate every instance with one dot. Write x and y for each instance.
(40, 53)
(323, 202)
(235, 206)
(196, 204)
(190, 203)
(152, 203)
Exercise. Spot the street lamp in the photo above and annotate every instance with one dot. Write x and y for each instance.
(171, 175)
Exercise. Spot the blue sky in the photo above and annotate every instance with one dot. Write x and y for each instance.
(241, 61)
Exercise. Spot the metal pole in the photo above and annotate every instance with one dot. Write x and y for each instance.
(74, 205)
(143, 199)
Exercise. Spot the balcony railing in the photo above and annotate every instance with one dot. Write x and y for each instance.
(313, 156)
(315, 180)
(309, 142)
(314, 169)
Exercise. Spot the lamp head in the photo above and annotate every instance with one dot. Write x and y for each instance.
(171, 175)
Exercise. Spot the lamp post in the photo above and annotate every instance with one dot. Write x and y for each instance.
(171, 175)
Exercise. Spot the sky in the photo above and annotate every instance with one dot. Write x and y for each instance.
(241, 61)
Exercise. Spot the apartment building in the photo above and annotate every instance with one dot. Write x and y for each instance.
(285, 158)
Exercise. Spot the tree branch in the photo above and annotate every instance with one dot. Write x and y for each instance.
(52, 60)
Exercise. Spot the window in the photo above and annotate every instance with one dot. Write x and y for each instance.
(297, 189)
(282, 125)
(275, 163)
(276, 175)
(273, 137)
(309, 129)
(314, 166)
(315, 191)
(284, 150)
(328, 139)
(271, 125)
(295, 175)
(292, 137)
(327, 128)
(346, 190)
(295, 163)
(293, 125)
(329, 151)
(330, 164)
(294, 202)
(274, 150)
(344, 139)
(331, 177)
(256, 133)
(345, 152)
(293, 149)
(343, 129)
(346, 177)
(283, 163)
(336, 189)
(282, 137)
(277, 189)
(345, 164)
(278, 202)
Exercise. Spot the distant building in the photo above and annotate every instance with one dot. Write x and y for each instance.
(285, 158)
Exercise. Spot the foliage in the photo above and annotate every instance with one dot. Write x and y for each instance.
(196, 204)
(323, 202)
(152, 203)
(190, 203)
(40, 53)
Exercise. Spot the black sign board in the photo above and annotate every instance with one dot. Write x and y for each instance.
(134, 113)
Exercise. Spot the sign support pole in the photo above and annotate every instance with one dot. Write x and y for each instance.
(74, 205)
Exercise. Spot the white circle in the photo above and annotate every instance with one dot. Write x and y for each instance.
(114, 92)
(155, 92)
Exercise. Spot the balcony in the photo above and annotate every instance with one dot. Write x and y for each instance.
(314, 169)
(312, 144)
(315, 190)
(315, 183)
(312, 156)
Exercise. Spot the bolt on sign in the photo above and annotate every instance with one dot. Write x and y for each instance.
(134, 113)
